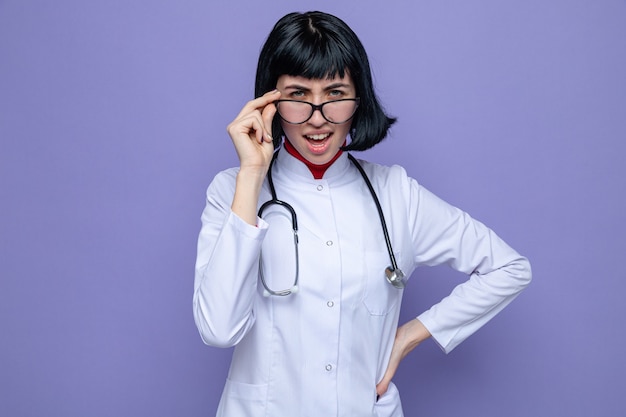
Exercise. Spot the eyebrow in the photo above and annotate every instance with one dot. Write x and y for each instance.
(333, 86)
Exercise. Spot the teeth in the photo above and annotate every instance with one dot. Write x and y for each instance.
(318, 137)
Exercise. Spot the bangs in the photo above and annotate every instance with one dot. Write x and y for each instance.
(314, 56)
(319, 46)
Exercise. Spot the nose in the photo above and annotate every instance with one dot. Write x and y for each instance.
(316, 118)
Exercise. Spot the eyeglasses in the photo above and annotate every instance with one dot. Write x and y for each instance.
(296, 112)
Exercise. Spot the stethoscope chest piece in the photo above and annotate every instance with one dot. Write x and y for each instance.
(395, 277)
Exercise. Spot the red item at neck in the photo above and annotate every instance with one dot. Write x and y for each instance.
(317, 170)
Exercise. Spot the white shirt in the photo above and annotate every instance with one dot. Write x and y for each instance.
(321, 351)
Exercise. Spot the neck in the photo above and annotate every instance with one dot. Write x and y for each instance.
(316, 170)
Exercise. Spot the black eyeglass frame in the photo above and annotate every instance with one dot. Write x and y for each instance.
(319, 107)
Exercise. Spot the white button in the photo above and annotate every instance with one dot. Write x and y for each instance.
(320, 187)
(329, 367)
(330, 304)
(329, 243)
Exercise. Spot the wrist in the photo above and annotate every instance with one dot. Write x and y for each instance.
(247, 190)
(419, 331)
(251, 178)
(414, 332)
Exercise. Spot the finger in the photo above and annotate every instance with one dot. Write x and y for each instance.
(249, 125)
(259, 103)
(255, 127)
(392, 367)
(382, 387)
(268, 116)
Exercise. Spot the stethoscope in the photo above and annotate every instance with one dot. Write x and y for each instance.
(394, 275)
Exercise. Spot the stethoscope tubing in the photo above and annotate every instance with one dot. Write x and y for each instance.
(395, 276)
(381, 216)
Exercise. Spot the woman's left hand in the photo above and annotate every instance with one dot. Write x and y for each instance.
(408, 337)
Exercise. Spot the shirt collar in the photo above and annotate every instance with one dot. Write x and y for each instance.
(317, 170)
(296, 167)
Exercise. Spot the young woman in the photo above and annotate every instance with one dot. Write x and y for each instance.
(308, 286)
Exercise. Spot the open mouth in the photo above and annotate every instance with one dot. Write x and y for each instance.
(317, 137)
(319, 143)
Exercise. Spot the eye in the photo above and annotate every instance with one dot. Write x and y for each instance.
(336, 93)
(297, 94)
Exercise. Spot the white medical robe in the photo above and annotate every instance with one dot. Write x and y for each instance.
(321, 351)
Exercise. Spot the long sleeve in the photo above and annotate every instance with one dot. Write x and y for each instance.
(443, 234)
(226, 268)
(331, 341)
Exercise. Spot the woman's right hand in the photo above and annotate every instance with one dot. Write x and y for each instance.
(251, 133)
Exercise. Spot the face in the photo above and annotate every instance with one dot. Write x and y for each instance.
(317, 140)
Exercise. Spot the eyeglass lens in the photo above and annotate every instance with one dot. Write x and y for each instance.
(296, 112)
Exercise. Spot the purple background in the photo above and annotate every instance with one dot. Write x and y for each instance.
(112, 124)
